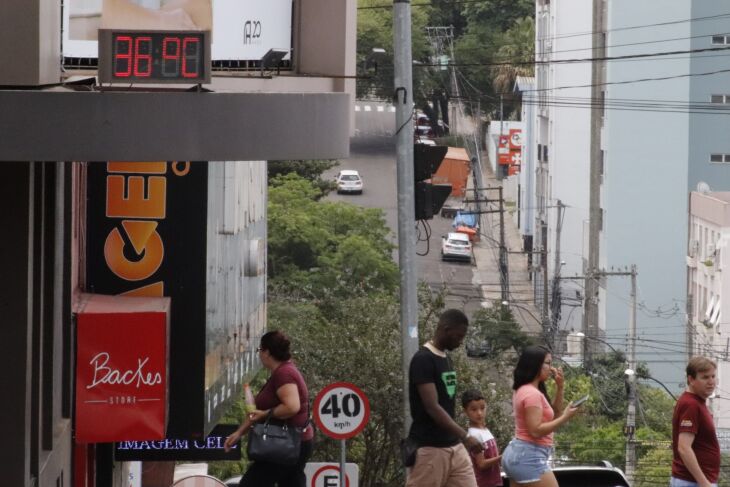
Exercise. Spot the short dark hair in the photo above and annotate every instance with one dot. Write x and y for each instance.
(277, 344)
(452, 317)
(529, 366)
(471, 395)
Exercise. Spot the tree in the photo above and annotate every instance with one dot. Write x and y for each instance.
(311, 170)
(375, 30)
(495, 331)
(515, 55)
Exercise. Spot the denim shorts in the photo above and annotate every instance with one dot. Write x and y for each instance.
(675, 482)
(525, 462)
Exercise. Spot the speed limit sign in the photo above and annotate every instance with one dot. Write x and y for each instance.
(341, 410)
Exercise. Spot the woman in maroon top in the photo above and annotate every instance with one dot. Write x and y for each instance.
(284, 397)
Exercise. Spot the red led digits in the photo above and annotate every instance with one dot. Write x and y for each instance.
(191, 50)
(171, 56)
(143, 57)
(167, 57)
(123, 57)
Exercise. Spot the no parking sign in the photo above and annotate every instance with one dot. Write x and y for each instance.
(328, 474)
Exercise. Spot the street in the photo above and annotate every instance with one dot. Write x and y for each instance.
(374, 158)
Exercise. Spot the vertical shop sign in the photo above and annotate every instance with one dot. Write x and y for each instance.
(146, 235)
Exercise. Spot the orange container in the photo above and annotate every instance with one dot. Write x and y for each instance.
(454, 170)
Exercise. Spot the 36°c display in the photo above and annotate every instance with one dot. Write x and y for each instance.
(133, 56)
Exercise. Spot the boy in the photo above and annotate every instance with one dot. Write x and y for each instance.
(486, 464)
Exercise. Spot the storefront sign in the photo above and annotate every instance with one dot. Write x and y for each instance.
(146, 236)
(121, 368)
(209, 448)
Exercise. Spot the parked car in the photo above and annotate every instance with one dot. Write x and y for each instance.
(349, 181)
(601, 475)
(233, 481)
(456, 246)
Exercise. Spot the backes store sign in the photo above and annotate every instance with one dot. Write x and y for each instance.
(146, 236)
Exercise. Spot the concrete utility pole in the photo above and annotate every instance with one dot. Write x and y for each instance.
(503, 265)
(631, 372)
(555, 303)
(403, 99)
(630, 428)
(595, 216)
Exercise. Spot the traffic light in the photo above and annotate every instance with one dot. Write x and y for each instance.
(429, 197)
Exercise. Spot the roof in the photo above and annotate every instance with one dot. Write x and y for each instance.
(349, 172)
(523, 83)
(458, 153)
(458, 236)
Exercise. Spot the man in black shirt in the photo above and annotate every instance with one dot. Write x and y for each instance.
(442, 459)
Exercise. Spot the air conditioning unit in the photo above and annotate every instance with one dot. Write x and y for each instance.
(694, 248)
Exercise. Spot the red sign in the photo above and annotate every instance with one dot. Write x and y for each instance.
(341, 410)
(121, 368)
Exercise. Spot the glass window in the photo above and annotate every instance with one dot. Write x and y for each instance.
(718, 39)
(715, 157)
(717, 99)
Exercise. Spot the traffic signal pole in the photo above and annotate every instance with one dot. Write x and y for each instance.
(403, 99)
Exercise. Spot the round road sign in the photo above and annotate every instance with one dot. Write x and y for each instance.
(324, 478)
(341, 410)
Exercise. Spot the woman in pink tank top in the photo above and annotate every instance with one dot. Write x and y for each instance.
(526, 458)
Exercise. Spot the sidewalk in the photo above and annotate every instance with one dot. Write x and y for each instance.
(486, 254)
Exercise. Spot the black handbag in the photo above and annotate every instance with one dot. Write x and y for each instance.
(274, 442)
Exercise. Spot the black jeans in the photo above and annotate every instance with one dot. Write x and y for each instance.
(265, 474)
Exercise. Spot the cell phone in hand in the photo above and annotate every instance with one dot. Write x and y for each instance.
(580, 401)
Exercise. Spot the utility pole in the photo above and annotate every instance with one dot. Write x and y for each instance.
(630, 428)
(631, 409)
(403, 99)
(595, 213)
(556, 293)
(503, 265)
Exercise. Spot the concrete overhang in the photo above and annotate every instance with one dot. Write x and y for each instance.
(67, 125)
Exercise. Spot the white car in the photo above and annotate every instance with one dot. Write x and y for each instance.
(349, 181)
(456, 246)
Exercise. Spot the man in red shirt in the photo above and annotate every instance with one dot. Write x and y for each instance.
(694, 441)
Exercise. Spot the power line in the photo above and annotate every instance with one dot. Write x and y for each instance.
(642, 26)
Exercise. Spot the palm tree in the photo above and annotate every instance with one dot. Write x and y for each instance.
(518, 48)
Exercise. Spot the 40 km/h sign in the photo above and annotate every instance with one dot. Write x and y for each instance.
(341, 410)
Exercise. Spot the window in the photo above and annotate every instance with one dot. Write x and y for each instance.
(720, 158)
(721, 39)
(539, 152)
(544, 153)
(725, 99)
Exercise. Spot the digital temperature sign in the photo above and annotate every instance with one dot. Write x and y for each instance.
(133, 56)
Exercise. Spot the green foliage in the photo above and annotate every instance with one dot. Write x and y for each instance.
(654, 468)
(597, 433)
(496, 328)
(318, 248)
(375, 30)
(310, 170)
(517, 46)
(357, 341)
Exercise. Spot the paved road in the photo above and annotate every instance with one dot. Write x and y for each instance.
(374, 157)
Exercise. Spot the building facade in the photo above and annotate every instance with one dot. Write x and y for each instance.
(658, 134)
(303, 112)
(708, 288)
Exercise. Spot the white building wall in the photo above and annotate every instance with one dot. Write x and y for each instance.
(563, 126)
(645, 181)
(708, 262)
(569, 149)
